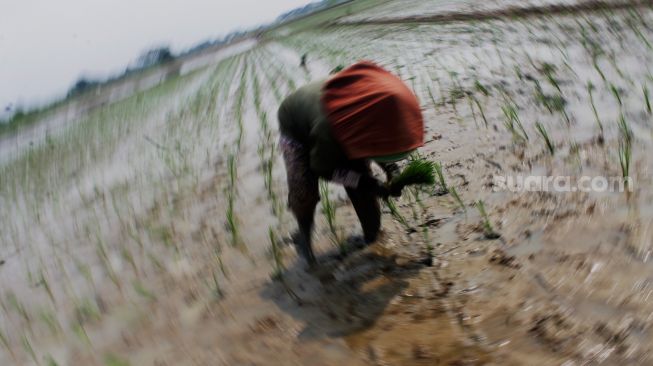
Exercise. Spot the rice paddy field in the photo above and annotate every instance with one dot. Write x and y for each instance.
(153, 230)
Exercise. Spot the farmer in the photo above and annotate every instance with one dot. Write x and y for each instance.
(333, 129)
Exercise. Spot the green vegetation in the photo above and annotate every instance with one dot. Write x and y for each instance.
(625, 152)
(590, 88)
(545, 135)
(114, 360)
(488, 230)
(277, 256)
(329, 211)
(437, 167)
(513, 124)
(417, 172)
(647, 98)
(394, 211)
(617, 94)
(459, 201)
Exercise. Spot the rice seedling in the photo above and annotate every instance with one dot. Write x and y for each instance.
(545, 135)
(518, 73)
(414, 200)
(80, 331)
(480, 108)
(590, 87)
(394, 211)
(46, 285)
(140, 289)
(613, 60)
(329, 211)
(481, 88)
(617, 94)
(488, 230)
(232, 169)
(51, 321)
(454, 95)
(232, 222)
(512, 122)
(598, 69)
(633, 25)
(106, 263)
(129, 258)
(443, 100)
(624, 129)
(437, 167)
(113, 360)
(574, 153)
(412, 83)
(553, 103)
(625, 152)
(5, 343)
(216, 289)
(277, 255)
(29, 349)
(549, 72)
(456, 196)
(50, 361)
(470, 100)
(430, 92)
(646, 98)
(19, 308)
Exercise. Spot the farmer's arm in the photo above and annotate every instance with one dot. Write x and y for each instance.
(329, 161)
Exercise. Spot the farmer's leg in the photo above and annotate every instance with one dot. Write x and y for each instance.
(367, 208)
(366, 203)
(303, 193)
(304, 215)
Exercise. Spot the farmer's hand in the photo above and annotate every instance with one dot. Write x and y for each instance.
(395, 191)
(372, 184)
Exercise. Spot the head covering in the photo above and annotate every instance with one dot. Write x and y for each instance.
(372, 112)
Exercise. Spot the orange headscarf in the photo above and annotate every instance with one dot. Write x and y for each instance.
(372, 112)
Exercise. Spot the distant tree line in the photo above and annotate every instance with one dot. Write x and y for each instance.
(163, 54)
(150, 58)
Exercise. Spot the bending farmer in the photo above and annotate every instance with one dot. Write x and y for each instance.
(332, 130)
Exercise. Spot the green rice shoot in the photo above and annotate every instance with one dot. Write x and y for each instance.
(417, 172)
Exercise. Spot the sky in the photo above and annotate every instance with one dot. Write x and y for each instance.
(46, 45)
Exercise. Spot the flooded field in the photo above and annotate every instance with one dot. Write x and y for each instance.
(153, 230)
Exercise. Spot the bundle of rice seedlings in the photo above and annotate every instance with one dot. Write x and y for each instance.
(418, 171)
